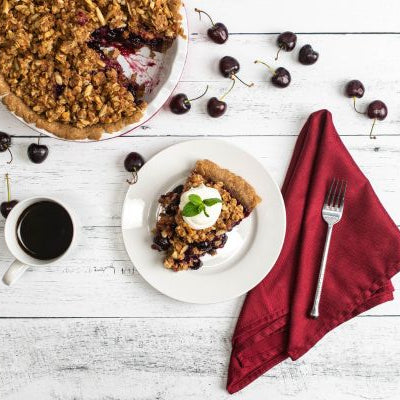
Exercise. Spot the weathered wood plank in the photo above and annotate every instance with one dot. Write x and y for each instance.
(92, 178)
(306, 16)
(98, 280)
(186, 359)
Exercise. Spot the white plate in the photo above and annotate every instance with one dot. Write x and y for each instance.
(160, 80)
(252, 247)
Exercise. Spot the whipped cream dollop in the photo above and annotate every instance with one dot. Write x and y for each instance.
(201, 221)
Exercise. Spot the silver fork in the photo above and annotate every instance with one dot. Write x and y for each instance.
(332, 212)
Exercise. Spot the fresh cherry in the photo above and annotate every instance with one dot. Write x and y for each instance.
(229, 67)
(280, 76)
(133, 162)
(5, 144)
(37, 152)
(377, 110)
(286, 41)
(355, 89)
(8, 205)
(217, 107)
(308, 55)
(180, 104)
(218, 33)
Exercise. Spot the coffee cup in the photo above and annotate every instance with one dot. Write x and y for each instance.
(39, 231)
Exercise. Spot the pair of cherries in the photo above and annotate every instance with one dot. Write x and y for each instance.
(377, 109)
(287, 42)
(229, 68)
(37, 152)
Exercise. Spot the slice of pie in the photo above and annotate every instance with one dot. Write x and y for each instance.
(58, 60)
(195, 217)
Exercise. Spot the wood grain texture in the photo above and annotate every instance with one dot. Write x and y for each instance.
(260, 16)
(185, 359)
(127, 341)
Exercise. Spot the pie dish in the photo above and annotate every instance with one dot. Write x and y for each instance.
(252, 246)
(185, 245)
(58, 61)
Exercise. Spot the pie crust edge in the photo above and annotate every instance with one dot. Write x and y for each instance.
(63, 131)
(235, 184)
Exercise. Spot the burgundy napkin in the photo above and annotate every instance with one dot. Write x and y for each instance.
(274, 323)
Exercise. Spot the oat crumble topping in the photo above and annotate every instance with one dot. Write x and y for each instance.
(48, 68)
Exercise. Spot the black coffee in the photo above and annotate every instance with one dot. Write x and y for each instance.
(45, 230)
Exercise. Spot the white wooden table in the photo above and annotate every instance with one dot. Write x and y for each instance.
(91, 328)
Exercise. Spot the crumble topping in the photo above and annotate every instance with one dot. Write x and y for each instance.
(51, 67)
(185, 245)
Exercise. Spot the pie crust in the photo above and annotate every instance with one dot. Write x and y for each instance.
(56, 74)
(235, 184)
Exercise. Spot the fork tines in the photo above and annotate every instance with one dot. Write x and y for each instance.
(335, 197)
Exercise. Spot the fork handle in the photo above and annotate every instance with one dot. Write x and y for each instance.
(315, 310)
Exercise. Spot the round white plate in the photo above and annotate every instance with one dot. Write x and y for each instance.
(160, 75)
(252, 247)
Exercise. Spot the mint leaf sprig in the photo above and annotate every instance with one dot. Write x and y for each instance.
(196, 205)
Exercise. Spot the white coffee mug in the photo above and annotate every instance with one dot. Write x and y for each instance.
(23, 260)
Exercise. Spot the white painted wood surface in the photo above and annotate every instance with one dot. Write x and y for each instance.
(91, 328)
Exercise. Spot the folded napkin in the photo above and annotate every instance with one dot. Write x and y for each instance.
(274, 323)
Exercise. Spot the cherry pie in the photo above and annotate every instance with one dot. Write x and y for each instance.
(58, 65)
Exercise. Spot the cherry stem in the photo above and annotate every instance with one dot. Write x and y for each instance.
(354, 106)
(233, 77)
(39, 139)
(372, 128)
(199, 97)
(11, 155)
(134, 178)
(264, 63)
(244, 83)
(277, 54)
(8, 188)
(208, 15)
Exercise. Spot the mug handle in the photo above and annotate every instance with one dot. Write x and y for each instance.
(14, 272)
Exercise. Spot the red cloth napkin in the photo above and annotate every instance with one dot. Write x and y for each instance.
(274, 323)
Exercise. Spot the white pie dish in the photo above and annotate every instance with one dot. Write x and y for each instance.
(161, 80)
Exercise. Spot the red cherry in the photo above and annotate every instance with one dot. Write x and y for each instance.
(286, 41)
(7, 206)
(216, 108)
(280, 76)
(377, 110)
(218, 32)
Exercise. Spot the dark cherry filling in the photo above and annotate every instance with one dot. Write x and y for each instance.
(160, 243)
(126, 42)
(170, 202)
(178, 189)
(196, 264)
(81, 18)
(58, 90)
